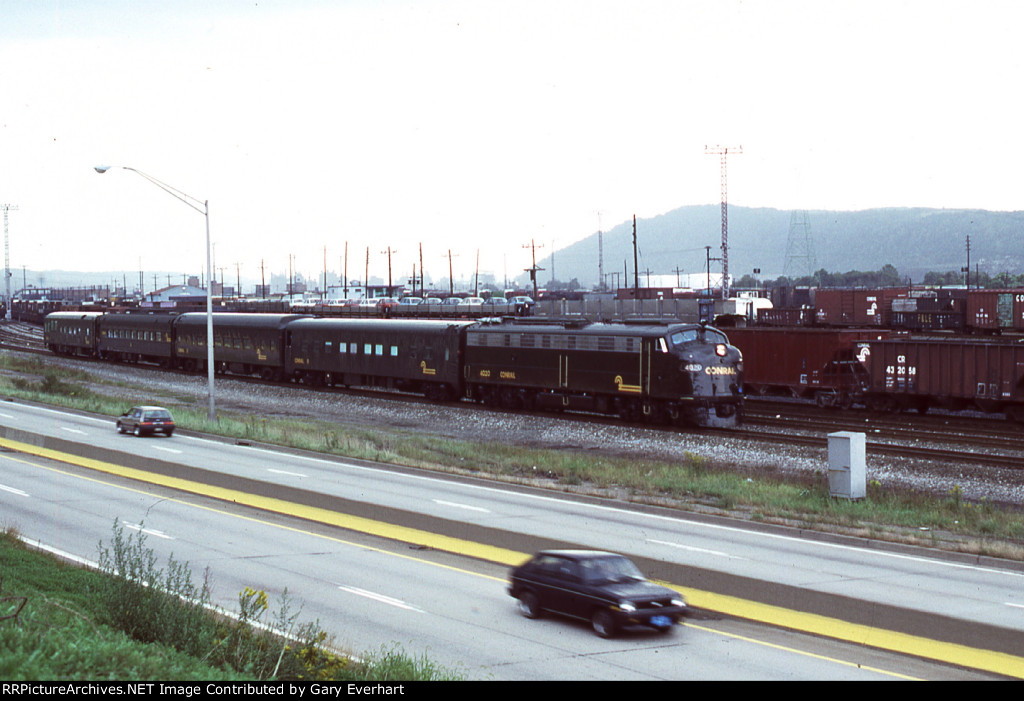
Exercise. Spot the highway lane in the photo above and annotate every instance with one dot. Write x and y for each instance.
(913, 580)
(371, 592)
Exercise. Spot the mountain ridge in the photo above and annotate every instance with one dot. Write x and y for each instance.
(915, 240)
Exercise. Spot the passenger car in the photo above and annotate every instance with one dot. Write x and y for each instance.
(601, 587)
(523, 305)
(145, 420)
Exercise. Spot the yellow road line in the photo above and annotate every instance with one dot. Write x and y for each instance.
(974, 658)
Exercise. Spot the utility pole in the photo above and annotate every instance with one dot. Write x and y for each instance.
(636, 271)
(7, 258)
(389, 252)
(533, 267)
(600, 254)
(968, 268)
(451, 274)
(723, 152)
(707, 252)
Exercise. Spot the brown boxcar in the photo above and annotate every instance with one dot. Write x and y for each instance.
(992, 311)
(855, 307)
(823, 364)
(950, 374)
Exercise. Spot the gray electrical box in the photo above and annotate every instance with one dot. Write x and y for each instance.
(847, 470)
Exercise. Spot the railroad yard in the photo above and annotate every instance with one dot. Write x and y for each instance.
(938, 453)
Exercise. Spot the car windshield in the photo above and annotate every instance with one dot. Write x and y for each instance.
(157, 415)
(609, 569)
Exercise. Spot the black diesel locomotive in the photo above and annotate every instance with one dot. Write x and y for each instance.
(681, 373)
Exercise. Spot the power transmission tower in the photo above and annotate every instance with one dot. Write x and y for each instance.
(723, 152)
(800, 259)
(7, 258)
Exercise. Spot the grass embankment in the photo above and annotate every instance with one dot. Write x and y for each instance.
(695, 483)
(59, 621)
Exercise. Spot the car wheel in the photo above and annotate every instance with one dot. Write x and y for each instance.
(137, 431)
(120, 428)
(603, 623)
(170, 433)
(529, 605)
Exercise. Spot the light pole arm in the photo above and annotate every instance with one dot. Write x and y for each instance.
(203, 207)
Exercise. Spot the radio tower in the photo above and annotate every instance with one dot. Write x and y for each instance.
(723, 152)
(7, 258)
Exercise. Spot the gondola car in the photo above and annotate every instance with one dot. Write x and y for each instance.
(685, 373)
(247, 344)
(414, 355)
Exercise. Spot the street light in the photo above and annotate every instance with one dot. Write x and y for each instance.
(203, 207)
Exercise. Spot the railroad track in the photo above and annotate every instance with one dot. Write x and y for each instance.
(976, 442)
(962, 440)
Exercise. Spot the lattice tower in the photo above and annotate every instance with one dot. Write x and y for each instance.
(800, 258)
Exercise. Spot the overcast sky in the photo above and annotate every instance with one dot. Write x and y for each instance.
(471, 124)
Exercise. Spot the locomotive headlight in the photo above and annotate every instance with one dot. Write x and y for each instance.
(721, 349)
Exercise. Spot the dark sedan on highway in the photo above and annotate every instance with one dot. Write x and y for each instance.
(600, 587)
(146, 420)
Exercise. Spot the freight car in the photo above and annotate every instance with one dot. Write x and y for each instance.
(953, 374)
(679, 372)
(826, 365)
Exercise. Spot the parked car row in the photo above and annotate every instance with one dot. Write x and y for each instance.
(419, 307)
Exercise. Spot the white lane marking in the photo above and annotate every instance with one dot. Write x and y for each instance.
(658, 517)
(74, 430)
(13, 490)
(6, 416)
(690, 548)
(1016, 606)
(381, 598)
(285, 472)
(635, 514)
(456, 505)
(147, 531)
(167, 450)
